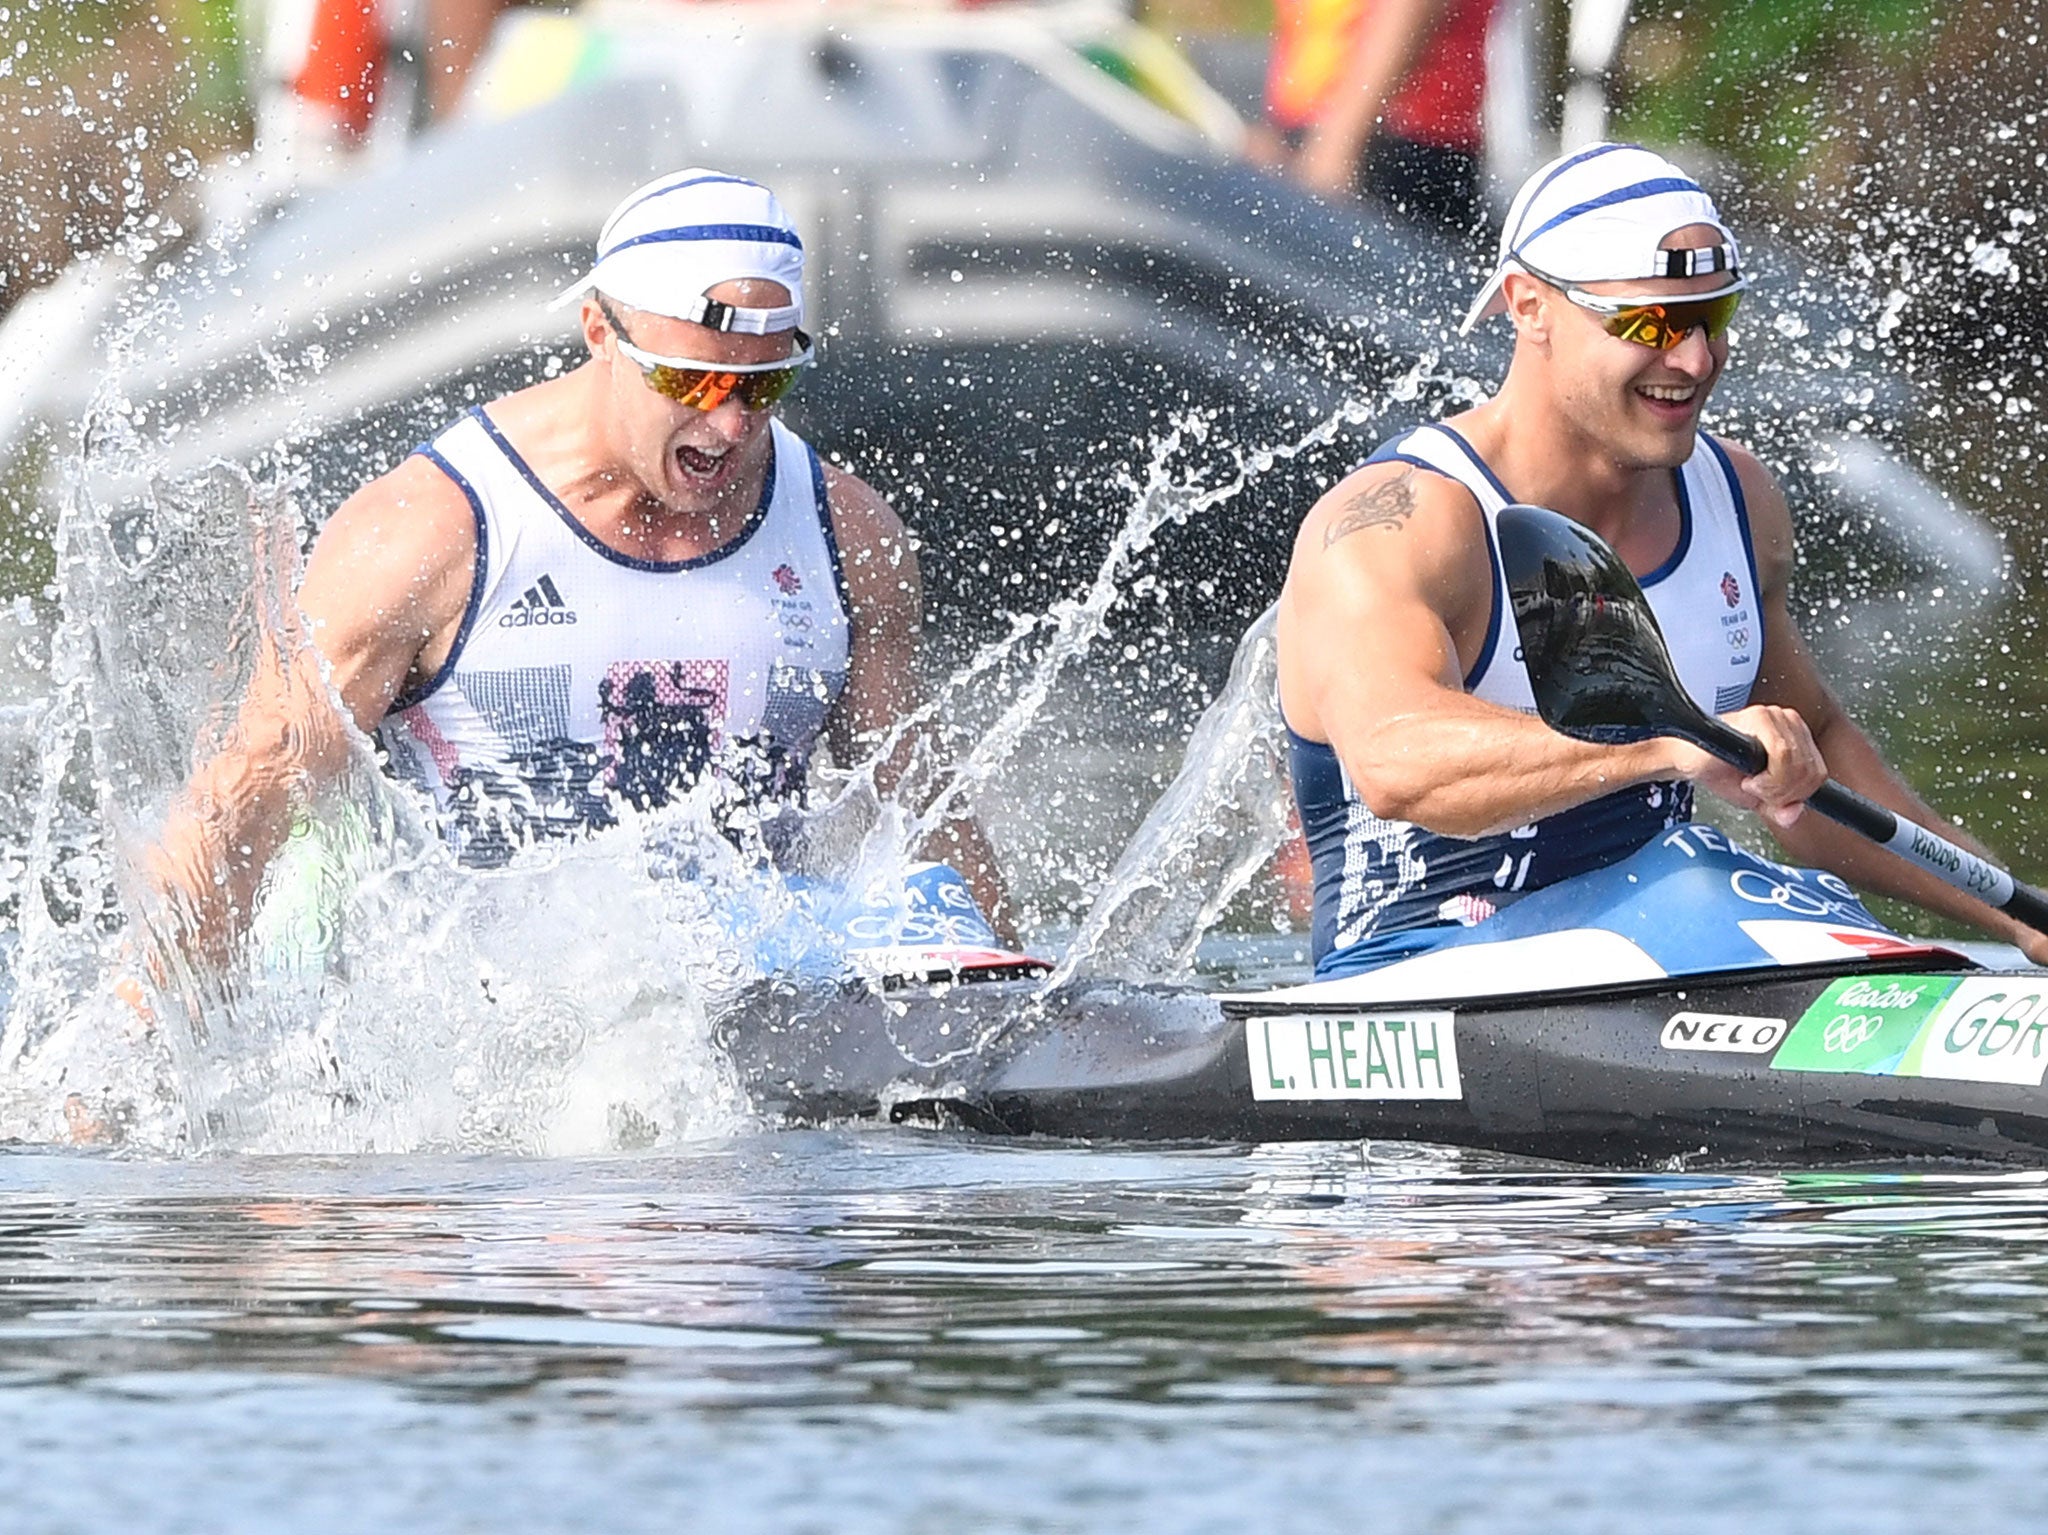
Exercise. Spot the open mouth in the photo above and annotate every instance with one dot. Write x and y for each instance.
(696, 464)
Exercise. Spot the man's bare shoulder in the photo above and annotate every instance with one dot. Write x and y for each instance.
(1390, 497)
(1395, 556)
(1395, 522)
(875, 549)
(390, 577)
(860, 513)
(1770, 515)
(399, 555)
(1749, 469)
(417, 493)
(416, 514)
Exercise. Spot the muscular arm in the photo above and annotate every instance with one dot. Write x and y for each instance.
(883, 684)
(1789, 677)
(1391, 36)
(383, 595)
(1386, 607)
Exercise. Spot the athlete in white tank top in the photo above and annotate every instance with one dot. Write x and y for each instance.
(1377, 877)
(1430, 792)
(583, 677)
(596, 590)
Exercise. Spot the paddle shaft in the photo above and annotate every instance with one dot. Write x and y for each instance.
(1911, 841)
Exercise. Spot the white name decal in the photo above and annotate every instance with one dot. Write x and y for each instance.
(1722, 1031)
(1353, 1055)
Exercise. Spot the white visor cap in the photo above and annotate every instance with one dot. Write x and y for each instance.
(672, 241)
(1600, 215)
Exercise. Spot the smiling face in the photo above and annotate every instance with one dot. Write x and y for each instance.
(1642, 405)
(692, 463)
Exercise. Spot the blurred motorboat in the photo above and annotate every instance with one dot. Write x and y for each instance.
(1033, 244)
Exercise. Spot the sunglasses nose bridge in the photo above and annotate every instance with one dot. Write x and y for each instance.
(1692, 352)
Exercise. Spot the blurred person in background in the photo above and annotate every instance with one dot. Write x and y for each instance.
(1381, 99)
(333, 70)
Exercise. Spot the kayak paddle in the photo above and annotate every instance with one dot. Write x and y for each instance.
(1600, 671)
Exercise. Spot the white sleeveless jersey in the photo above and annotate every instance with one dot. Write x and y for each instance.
(1376, 877)
(1704, 595)
(583, 677)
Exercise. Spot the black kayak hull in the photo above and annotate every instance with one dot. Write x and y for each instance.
(1623, 1076)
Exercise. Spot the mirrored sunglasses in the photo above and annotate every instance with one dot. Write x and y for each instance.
(708, 385)
(1662, 325)
(1659, 324)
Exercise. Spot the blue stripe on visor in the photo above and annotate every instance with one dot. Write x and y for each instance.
(677, 186)
(1607, 200)
(760, 234)
(1578, 159)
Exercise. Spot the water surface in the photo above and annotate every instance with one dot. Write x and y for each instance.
(898, 1330)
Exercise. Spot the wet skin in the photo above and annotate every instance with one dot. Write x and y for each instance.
(692, 465)
(1642, 405)
(389, 580)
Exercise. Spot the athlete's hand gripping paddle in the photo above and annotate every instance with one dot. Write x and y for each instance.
(1600, 671)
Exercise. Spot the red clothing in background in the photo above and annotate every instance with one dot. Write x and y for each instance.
(1439, 101)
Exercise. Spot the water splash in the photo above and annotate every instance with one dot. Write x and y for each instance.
(1070, 628)
(1222, 818)
(1215, 827)
(1226, 812)
(391, 1000)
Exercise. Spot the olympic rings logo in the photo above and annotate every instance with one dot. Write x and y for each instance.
(1760, 889)
(1849, 1031)
(911, 929)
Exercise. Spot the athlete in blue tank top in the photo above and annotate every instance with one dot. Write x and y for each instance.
(597, 591)
(1431, 795)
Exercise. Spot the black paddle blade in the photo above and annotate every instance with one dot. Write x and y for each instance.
(1595, 655)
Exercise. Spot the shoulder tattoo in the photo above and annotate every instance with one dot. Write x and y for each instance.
(1388, 504)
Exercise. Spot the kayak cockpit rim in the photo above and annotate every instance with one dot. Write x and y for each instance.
(1928, 962)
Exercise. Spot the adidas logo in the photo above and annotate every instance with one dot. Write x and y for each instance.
(542, 604)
